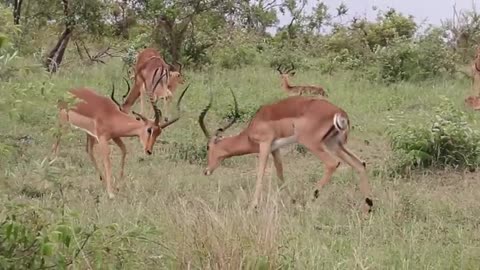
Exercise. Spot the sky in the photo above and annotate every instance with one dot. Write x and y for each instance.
(433, 11)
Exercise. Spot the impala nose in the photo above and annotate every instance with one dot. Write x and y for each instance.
(149, 152)
(207, 172)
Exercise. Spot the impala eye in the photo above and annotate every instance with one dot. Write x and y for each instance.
(149, 130)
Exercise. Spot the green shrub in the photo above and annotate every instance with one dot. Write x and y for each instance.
(446, 140)
(29, 240)
(235, 56)
(404, 60)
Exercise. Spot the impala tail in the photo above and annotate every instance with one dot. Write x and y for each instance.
(340, 122)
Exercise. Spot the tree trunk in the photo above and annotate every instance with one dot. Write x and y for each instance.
(55, 56)
(17, 11)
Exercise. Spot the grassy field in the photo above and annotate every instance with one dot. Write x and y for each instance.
(168, 215)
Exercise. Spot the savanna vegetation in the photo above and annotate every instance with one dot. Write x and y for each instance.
(402, 83)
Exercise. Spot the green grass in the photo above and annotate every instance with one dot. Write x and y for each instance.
(167, 215)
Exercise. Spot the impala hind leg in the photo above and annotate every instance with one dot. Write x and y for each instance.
(330, 164)
(262, 164)
(277, 161)
(358, 165)
(90, 144)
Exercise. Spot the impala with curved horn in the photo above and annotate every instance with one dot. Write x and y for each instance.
(315, 123)
(102, 120)
(298, 89)
(149, 60)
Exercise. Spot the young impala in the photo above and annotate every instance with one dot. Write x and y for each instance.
(298, 89)
(149, 60)
(315, 123)
(103, 121)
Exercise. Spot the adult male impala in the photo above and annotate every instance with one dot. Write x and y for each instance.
(298, 89)
(315, 123)
(149, 60)
(102, 120)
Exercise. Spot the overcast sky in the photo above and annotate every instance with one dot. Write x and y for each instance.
(431, 10)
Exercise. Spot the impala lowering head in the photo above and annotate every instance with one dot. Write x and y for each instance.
(215, 154)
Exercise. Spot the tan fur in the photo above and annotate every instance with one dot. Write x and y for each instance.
(308, 121)
(103, 121)
(298, 89)
(148, 60)
(475, 71)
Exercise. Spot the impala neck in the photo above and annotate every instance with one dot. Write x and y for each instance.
(172, 85)
(128, 127)
(237, 145)
(285, 84)
(131, 98)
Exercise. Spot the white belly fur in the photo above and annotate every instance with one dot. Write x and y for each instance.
(87, 131)
(282, 142)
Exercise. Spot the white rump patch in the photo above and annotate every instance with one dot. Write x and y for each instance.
(340, 122)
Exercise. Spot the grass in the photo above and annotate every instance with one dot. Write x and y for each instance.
(167, 215)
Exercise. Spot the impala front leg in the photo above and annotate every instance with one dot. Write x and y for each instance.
(123, 149)
(262, 163)
(105, 151)
(90, 144)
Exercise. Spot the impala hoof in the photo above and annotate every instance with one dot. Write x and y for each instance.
(316, 193)
(369, 203)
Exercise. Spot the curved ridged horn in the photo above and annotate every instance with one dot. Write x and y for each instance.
(201, 117)
(291, 69)
(236, 115)
(157, 111)
(166, 124)
(112, 95)
(278, 69)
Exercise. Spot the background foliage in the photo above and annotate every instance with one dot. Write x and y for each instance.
(390, 74)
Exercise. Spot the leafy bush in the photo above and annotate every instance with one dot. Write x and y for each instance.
(447, 140)
(29, 240)
(235, 57)
(406, 60)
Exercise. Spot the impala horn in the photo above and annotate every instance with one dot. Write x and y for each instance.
(236, 115)
(279, 70)
(291, 69)
(168, 123)
(201, 117)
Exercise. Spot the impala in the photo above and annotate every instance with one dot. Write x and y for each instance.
(315, 123)
(475, 69)
(298, 89)
(103, 121)
(149, 60)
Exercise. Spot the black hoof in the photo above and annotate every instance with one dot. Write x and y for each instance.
(369, 202)
(166, 119)
(316, 193)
